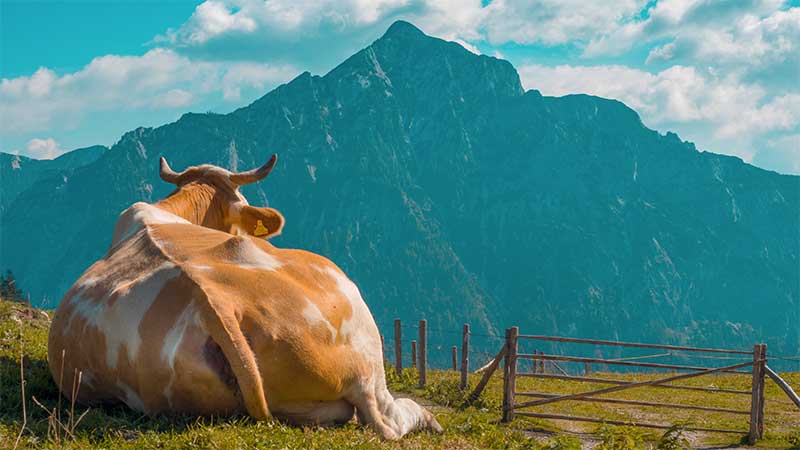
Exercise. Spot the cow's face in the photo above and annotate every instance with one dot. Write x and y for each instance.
(209, 196)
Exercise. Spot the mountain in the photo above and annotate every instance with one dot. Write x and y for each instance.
(447, 191)
(18, 173)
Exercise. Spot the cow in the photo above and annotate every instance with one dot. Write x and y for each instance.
(193, 312)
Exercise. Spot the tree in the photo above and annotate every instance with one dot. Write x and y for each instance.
(9, 289)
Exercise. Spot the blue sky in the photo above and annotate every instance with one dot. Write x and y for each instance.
(724, 74)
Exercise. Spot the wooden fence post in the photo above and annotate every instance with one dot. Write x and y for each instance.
(455, 358)
(510, 373)
(761, 377)
(755, 399)
(423, 353)
(587, 368)
(464, 355)
(414, 354)
(398, 348)
(487, 374)
(542, 364)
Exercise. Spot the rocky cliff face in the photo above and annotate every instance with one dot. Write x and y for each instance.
(18, 173)
(444, 190)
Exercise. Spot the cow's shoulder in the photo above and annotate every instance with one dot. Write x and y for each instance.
(138, 217)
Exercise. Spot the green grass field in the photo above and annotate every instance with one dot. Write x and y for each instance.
(24, 331)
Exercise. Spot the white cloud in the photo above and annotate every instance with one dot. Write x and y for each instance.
(43, 148)
(174, 98)
(213, 18)
(741, 35)
(216, 18)
(555, 22)
(278, 22)
(735, 117)
(292, 32)
(781, 154)
(159, 79)
(662, 53)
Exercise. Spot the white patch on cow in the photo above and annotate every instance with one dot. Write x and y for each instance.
(172, 340)
(131, 399)
(345, 286)
(201, 267)
(88, 282)
(86, 308)
(360, 328)
(119, 323)
(168, 392)
(251, 256)
(154, 215)
(134, 219)
(314, 317)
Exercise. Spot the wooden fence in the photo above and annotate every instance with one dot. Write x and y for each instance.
(419, 352)
(545, 366)
(512, 407)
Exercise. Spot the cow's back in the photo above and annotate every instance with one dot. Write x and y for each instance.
(311, 331)
(136, 323)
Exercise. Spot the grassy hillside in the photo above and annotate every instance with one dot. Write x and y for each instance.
(24, 331)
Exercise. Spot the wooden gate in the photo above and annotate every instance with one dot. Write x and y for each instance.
(520, 404)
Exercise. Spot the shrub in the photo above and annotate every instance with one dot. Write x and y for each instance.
(674, 439)
(621, 438)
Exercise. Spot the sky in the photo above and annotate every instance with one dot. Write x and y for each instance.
(724, 74)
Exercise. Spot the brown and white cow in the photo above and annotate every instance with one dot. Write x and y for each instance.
(190, 313)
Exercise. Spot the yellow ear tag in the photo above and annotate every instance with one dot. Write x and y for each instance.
(260, 230)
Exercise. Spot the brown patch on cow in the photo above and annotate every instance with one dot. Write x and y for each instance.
(216, 360)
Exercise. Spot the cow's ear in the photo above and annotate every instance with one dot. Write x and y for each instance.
(261, 222)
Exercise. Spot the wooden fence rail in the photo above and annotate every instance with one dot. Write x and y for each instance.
(616, 362)
(783, 385)
(612, 381)
(631, 344)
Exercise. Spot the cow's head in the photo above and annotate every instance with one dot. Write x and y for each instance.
(209, 196)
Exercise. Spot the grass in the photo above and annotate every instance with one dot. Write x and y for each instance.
(24, 331)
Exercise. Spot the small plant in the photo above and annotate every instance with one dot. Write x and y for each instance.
(407, 380)
(565, 442)
(22, 389)
(674, 439)
(446, 392)
(794, 440)
(621, 438)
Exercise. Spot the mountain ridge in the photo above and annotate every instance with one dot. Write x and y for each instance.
(447, 191)
(12, 167)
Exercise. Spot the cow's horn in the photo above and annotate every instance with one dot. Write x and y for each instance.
(167, 174)
(251, 176)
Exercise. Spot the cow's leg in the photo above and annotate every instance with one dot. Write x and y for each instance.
(392, 418)
(317, 413)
